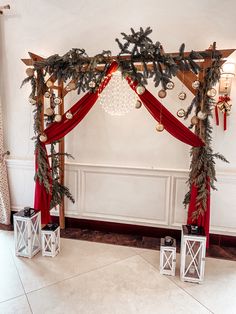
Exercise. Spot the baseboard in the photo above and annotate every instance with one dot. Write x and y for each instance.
(105, 226)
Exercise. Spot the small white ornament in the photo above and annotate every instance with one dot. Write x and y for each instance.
(49, 112)
(138, 104)
(140, 89)
(32, 101)
(182, 96)
(170, 85)
(29, 71)
(211, 92)
(57, 118)
(47, 94)
(92, 84)
(57, 100)
(196, 84)
(69, 115)
(160, 127)
(202, 115)
(49, 83)
(43, 138)
(181, 113)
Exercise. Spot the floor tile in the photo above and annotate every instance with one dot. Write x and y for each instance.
(15, 306)
(76, 257)
(218, 291)
(129, 286)
(10, 284)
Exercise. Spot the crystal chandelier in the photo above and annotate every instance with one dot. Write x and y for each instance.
(117, 98)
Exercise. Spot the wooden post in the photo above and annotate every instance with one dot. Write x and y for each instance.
(62, 158)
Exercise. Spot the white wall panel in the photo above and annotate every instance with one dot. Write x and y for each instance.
(126, 194)
(151, 197)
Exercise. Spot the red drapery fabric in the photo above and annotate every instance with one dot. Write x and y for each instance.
(202, 221)
(57, 131)
(170, 122)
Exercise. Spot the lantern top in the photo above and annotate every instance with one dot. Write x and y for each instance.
(165, 242)
(27, 212)
(50, 227)
(193, 230)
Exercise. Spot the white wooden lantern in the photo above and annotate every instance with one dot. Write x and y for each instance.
(193, 252)
(27, 232)
(51, 240)
(168, 256)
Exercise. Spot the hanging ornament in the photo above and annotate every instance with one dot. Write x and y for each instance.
(32, 101)
(117, 98)
(49, 84)
(47, 94)
(182, 96)
(29, 71)
(71, 85)
(49, 112)
(160, 127)
(43, 138)
(170, 85)
(223, 106)
(194, 120)
(140, 89)
(57, 118)
(196, 84)
(181, 113)
(138, 104)
(57, 100)
(69, 115)
(92, 84)
(211, 92)
(202, 115)
(162, 93)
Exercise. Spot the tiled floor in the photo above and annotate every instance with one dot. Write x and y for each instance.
(89, 277)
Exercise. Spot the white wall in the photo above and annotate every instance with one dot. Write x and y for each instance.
(126, 147)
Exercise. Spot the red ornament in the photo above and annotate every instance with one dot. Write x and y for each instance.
(224, 106)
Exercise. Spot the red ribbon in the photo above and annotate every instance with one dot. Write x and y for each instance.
(217, 115)
(225, 120)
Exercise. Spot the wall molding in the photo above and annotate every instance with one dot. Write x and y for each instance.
(162, 211)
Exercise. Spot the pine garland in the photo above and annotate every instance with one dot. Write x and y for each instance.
(136, 47)
(202, 167)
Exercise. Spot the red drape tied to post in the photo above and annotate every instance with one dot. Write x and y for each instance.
(57, 131)
(203, 220)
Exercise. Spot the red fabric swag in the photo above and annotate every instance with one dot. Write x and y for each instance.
(57, 131)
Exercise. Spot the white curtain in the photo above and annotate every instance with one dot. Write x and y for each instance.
(4, 189)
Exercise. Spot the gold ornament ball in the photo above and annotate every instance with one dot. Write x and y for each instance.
(181, 113)
(182, 96)
(71, 85)
(170, 85)
(43, 138)
(49, 112)
(160, 127)
(201, 115)
(29, 71)
(32, 101)
(140, 89)
(57, 100)
(162, 93)
(49, 84)
(69, 115)
(57, 118)
(194, 120)
(47, 94)
(138, 104)
(211, 92)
